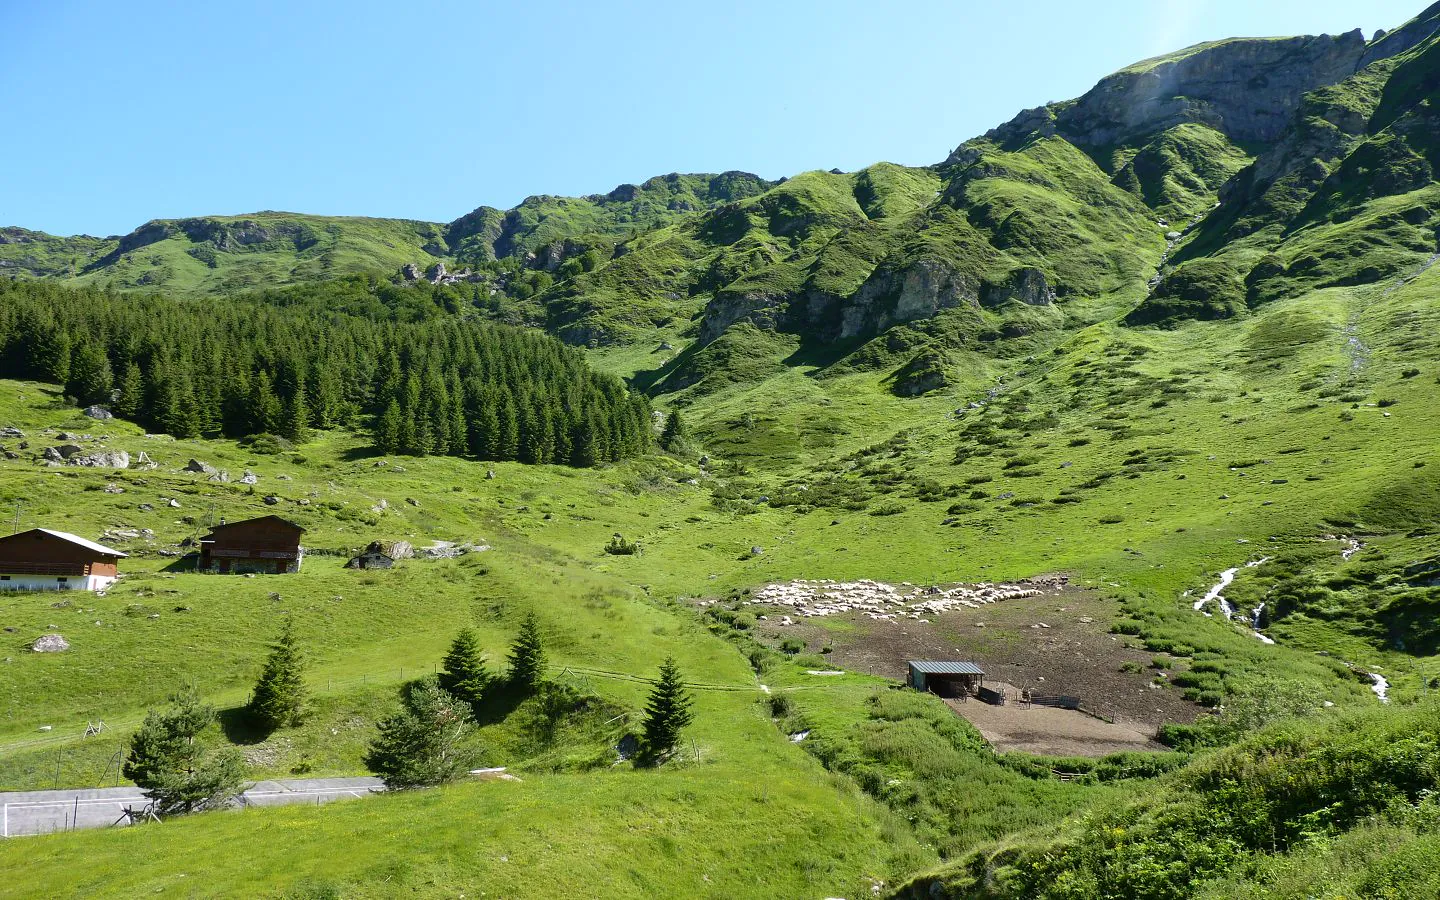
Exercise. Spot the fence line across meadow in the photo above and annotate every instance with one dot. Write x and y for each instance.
(79, 732)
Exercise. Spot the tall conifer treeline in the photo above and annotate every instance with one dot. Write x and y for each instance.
(236, 368)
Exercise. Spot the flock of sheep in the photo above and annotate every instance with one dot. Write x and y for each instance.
(878, 600)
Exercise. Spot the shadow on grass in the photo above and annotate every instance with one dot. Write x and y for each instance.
(240, 727)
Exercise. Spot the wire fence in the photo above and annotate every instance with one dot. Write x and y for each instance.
(77, 732)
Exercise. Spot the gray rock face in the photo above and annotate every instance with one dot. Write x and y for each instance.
(410, 272)
(61, 453)
(1247, 88)
(99, 412)
(1027, 285)
(727, 308)
(921, 290)
(101, 459)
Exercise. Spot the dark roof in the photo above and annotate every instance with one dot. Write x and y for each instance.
(946, 668)
(285, 522)
(69, 538)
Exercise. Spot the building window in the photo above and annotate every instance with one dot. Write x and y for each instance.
(62, 579)
(4, 577)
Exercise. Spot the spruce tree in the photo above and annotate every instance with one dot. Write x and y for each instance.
(174, 766)
(674, 437)
(667, 711)
(527, 656)
(51, 355)
(388, 429)
(295, 420)
(463, 673)
(280, 695)
(264, 407)
(424, 743)
(132, 393)
(91, 380)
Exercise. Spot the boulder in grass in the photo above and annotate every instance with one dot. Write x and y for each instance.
(50, 643)
(196, 465)
(99, 412)
(102, 459)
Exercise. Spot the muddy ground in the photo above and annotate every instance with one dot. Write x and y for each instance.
(1074, 655)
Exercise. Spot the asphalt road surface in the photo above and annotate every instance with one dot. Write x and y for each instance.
(43, 812)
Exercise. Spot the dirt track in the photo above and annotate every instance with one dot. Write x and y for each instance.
(1051, 732)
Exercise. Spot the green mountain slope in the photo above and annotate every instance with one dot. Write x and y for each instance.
(1172, 340)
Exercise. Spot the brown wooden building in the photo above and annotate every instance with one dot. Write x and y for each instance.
(268, 545)
(45, 560)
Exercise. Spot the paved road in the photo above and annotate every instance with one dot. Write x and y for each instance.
(41, 812)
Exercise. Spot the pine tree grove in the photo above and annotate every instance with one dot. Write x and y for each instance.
(452, 386)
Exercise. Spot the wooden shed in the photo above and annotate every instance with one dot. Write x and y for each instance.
(948, 679)
(381, 555)
(44, 560)
(268, 545)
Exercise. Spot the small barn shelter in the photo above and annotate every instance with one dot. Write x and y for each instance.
(948, 679)
(268, 545)
(381, 555)
(44, 560)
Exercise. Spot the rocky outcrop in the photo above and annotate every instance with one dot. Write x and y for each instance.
(1028, 285)
(101, 459)
(919, 291)
(1246, 88)
(728, 307)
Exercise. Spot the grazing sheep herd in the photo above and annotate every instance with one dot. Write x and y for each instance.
(881, 601)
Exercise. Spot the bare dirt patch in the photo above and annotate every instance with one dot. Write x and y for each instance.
(1056, 642)
(1052, 732)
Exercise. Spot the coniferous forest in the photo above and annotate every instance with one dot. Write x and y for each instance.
(454, 386)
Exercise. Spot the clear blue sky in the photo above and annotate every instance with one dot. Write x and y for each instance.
(119, 112)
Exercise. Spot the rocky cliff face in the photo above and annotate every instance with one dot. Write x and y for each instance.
(1248, 89)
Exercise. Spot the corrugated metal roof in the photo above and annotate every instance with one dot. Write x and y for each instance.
(76, 539)
(946, 668)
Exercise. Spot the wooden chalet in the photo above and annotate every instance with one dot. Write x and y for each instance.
(268, 545)
(44, 560)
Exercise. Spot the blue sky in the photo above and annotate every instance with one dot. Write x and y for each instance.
(116, 113)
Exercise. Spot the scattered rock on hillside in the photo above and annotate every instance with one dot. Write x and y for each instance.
(99, 412)
(195, 465)
(114, 489)
(410, 272)
(271, 500)
(61, 453)
(10, 431)
(50, 643)
(102, 459)
(249, 477)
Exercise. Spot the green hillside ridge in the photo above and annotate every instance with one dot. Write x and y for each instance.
(232, 254)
